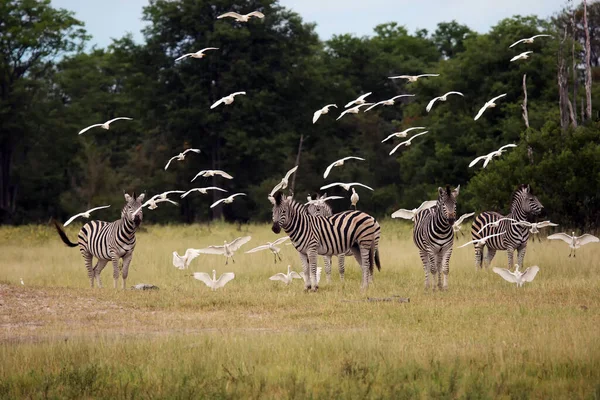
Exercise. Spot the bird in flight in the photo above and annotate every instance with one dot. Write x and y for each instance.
(180, 156)
(496, 223)
(346, 186)
(527, 40)
(202, 190)
(284, 181)
(213, 282)
(522, 56)
(240, 17)
(359, 100)
(152, 203)
(402, 134)
(212, 172)
(458, 223)
(488, 157)
(198, 54)
(85, 214)
(410, 214)
(322, 111)
(227, 200)
(271, 246)
(406, 142)
(412, 78)
(489, 104)
(226, 100)
(339, 163)
(227, 249)
(104, 125)
(482, 240)
(182, 262)
(441, 98)
(517, 276)
(389, 102)
(573, 241)
(353, 110)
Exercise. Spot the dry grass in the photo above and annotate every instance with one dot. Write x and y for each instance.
(483, 338)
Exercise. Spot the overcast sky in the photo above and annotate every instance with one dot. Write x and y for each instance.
(106, 19)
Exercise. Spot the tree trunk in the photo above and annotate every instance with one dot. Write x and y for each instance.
(575, 80)
(293, 185)
(565, 106)
(7, 192)
(588, 69)
(526, 119)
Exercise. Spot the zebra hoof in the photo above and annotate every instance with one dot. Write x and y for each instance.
(315, 288)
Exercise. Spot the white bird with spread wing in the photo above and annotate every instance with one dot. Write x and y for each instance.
(284, 182)
(85, 214)
(164, 195)
(346, 186)
(517, 276)
(360, 100)
(240, 17)
(482, 240)
(522, 56)
(271, 246)
(228, 249)
(353, 110)
(412, 78)
(153, 203)
(573, 241)
(212, 172)
(389, 102)
(322, 111)
(488, 157)
(198, 54)
(226, 200)
(322, 200)
(441, 98)
(458, 223)
(490, 104)
(202, 190)
(496, 223)
(182, 262)
(286, 278)
(180, 156)
(402, 134)
(410, 214)
(534, 227)
(104, 125)
(339, 163)
(407, 142)
(213, 282)
(226, 100)
(527, 40)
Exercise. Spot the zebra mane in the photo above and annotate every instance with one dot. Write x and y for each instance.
(448, 190)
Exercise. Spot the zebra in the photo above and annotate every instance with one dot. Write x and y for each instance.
(313, 235)
(524, 205)
(433, 235)
(109, 241)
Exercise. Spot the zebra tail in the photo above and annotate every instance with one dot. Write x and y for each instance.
(377, 262)
(63, 236)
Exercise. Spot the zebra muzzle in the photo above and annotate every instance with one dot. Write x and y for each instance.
(276, 228)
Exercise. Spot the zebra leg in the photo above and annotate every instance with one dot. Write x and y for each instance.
(365, 264)
(126, 262)
(88, 258)
(115, 262)
(478, 256)
(312, 262)
(305, 270)
(341, 259)
(489, 256)
(98, 269)
(327, 261)
(521, 254)
(446, 267)
(510, 255)
(426, 267)
(438, 270)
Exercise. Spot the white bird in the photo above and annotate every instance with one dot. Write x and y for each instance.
(104, 125)
(23, 283)
(228, 249)
(271, 246)
(198, 54)
(534, 227)
(284, 182)
(212, 172)
(323, 199)
(495, 224)
(527, 40)
(354, 198)
(389, 102)
(410, 214)
(339, 163)
(522, 56)
(412, 78)
(181, 156)
(517, 276)
(213, 282)
(227, 200)
(182, 262)
(489, 104)
(240, 17)
(406, 142)
(573, 241)
(306, 280)
(164, 195)
(488, 157)
(286, 278)
(402, 134)
(458, 223)
(482, 240)
(353, 110)
(441, 98)
(344, 185)
(85, 214)
(202, 190)
(322, 111)
(152, 203)
(359, 100)
(227, 99)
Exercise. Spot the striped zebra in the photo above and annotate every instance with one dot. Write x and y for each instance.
(312, 236)
(433, 235)
(523, 206)
(108, 241)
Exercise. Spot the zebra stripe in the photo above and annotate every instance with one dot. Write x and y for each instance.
(523, 206)
(433, 235)
(312, 236)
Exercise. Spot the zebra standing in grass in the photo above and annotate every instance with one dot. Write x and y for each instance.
(313, 235)
(433, 235)
(109, 241)
(523, 206)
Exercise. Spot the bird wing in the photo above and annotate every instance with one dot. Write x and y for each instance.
(190, 254)
(562, 236)
(530, 273)
(237, 194)
(418, 134)
(88, 128)
(398, 146)
(544, 224)
(178, 261)
(515, 58)
(216, 103)
(331, 105)
(259, 248)
(316, 115)
(290, 172)
(214, 188)
(223, 174)
(342, 114)
(280, 240)
(419, 76)
(212, 250)
(487, 161)
(208, 48)
(426, 204)
(389, 137)
(402, 213)
(523, 223)
(459, 93)
(505, 274)
(194, 150)
(201, 173)
(118, 118)
(331, 185)
(216, 203)
(237, 93)
(463, 217)
(400, 77)
(360, 184)
(481, 111)
(295, 275)
(72, 219)
(373, 106)
(363, 96)
(475, 161)
(172, 191)
(533, 37)
(468, 243)
(587, 238)
(188, 192)
(96, 208)
(280, 277)
(328, 170)
(204, 277)
(401, 95)
(169, 163)
(184, 56)
(507, 146)
(276, 188)
(166, 200)
(257, 14)
(349, 104)
(230, 14)
(517, 42)
(323, 199)
(496, 98)
(431, 103)
(239, 242)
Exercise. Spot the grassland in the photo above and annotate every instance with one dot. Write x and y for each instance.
(484, 338)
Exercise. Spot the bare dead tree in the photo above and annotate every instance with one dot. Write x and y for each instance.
(588, 69)
(526, 119)
(293, 185)
(564, 104)
(575, 80)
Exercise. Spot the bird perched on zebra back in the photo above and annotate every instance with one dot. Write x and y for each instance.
(573, 241)
(109, 241)
(523, 206)
(433, 235)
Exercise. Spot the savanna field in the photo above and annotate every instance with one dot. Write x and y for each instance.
(483, 338)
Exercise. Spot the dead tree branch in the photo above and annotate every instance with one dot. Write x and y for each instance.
(588, 69)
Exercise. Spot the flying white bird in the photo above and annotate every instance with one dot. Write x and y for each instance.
(212, 172)
(202, 190)
(489, 104)
(227, 200)
(389, 102)
(406, 142)
(573, 241)
(412, 78)
(198, 54)
(322, 111)
(271, 246)
(339, 163)
(527, 40)
(284, 182)
(488, 157)
(226, 100)
(495, 224)
(182, 262)
(286, 278)
(482, 240)
(104, 125)
(240, 17)
(344, 185)
(353, 110)
(534, 227)
(441, 98)
(522, 56)
(410, 214)
(85, 214)
(213, 282)
(402, 134)
(152, 203)
(228, 249)
(181, 156)
(164, 195)
(517, 276)
(354, 198)
(307, 280)
(458, 223)
(322, 200)
(359, 100)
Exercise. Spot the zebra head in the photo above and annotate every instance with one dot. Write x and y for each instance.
(281, 210)
(524, 202)
(319, 209)
(447, 203)
(132, 204)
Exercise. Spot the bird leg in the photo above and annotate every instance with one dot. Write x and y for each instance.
(233, 259)
(278, 255)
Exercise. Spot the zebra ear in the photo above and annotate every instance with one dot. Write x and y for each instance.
(440, 191)
(127, 197)
(456, 191)
(278, 196)
(271, 199)
(141, 197)
(528, 188)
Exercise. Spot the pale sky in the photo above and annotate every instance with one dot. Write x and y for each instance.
(106, 19)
